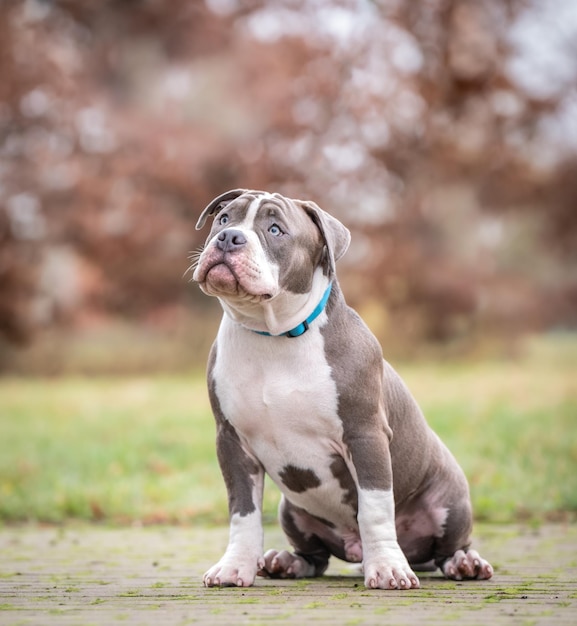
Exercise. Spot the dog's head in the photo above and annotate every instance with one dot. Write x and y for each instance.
(262, 245)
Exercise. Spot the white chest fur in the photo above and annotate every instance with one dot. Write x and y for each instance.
(280, 396)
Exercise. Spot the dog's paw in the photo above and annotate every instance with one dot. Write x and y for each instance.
(231, 573)
(285, 564)
(467, 565)
(390, 573)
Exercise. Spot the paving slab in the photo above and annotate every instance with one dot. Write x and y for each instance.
(100, 575)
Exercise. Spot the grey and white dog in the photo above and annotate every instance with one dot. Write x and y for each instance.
(300, 390)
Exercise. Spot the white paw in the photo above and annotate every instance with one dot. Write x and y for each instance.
(232, 573)
(390, 573)
(467, 565)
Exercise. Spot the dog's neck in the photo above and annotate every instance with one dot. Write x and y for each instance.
(281, 313)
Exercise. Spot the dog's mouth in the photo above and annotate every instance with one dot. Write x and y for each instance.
(221, 279)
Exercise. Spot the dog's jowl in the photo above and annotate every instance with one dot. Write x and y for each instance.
(300, 390)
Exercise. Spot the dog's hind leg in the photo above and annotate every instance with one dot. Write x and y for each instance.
(453, 555)
(311, 554)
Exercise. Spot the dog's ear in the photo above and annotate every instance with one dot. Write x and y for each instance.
(336, 235)
(218, 203)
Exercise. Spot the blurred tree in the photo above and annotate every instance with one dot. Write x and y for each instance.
(86, 169)
(423, 125)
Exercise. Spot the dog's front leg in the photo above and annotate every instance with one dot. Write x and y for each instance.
(244, 478)
(384, 563)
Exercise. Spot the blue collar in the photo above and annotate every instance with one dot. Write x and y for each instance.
(302, 328)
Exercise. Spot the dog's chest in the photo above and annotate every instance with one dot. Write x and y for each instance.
(280, 396)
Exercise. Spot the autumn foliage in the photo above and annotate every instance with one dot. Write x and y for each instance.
(421, 125)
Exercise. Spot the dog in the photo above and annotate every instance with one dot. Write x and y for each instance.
(300, 390)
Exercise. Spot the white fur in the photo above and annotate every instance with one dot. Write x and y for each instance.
(244, 554)
(243, 557)
(384, 564)
(287, 310)
(283, 407)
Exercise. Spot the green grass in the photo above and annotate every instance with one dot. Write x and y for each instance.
(142, 449)
(512, 427)
(125, 449)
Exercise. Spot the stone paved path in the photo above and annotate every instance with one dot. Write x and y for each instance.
(96, 575)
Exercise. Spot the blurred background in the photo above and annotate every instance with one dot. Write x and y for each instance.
(442, 132)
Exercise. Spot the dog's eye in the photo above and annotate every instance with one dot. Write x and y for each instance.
(275, 230)
(223, 219)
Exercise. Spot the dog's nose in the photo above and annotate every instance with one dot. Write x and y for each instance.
(230, 239)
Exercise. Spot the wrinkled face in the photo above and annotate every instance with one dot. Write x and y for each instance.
(260, 244)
